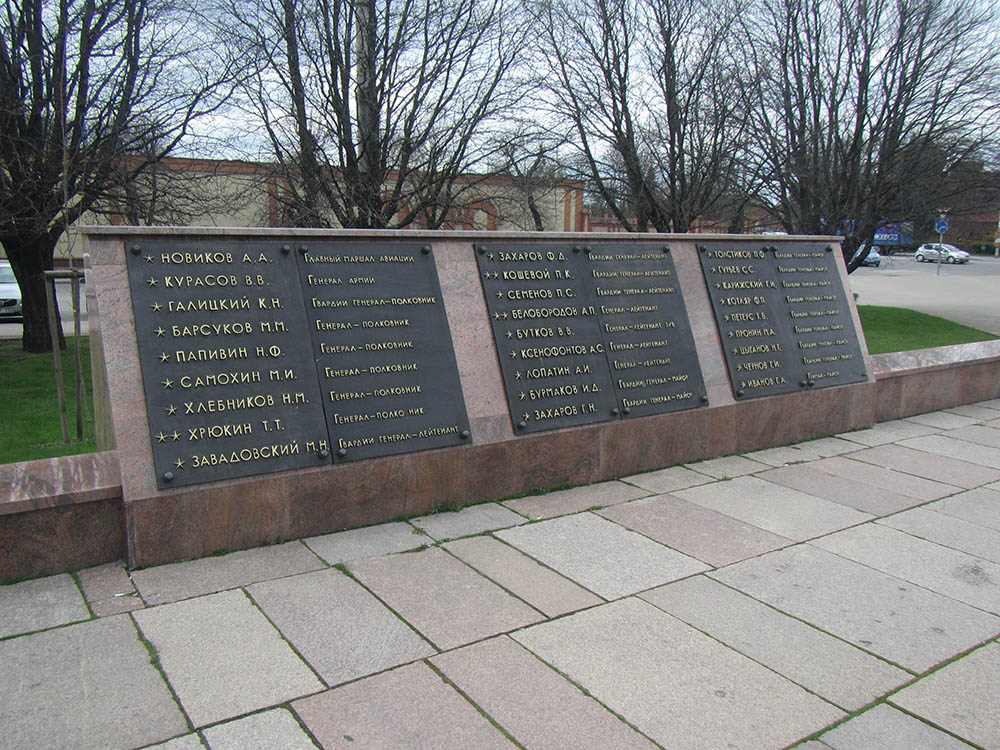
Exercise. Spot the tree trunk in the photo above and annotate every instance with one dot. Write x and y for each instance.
(30, 258)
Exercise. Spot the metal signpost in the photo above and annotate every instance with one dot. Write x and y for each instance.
(940, 226)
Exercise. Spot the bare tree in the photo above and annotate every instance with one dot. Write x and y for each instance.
(864, 106)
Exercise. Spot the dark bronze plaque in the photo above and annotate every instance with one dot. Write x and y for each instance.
(547, 335)
(783, 317)
(383, 350)
(645, 327)
(230, 389)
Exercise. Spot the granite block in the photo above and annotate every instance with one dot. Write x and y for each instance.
(980, 412)
(223, 658)
(542, 588)
(961, 450)
(442, 598)
(963, 697)
(887, 728)
(66, 480)
(276, 729)
(544, 710)
(109, 590)
(170, 583)
(772, 507)
(676, 685)
(187, 742)
(824, 665)
(79, 686)
(783, 455)
(573, 500)
(667, 480)
(371, 541)
(39, 604)
(728, 467)
(708, 536)
(601, 556)
(468, 521)
(828, 446)
(641, 444)
(976, 434)
(905, 624)
(949, 531)
(942, 420)
(910, 459)
(409, 707)
(980, 506)
(888, 432)
(883, 478)
(341, 630)
(862, 496)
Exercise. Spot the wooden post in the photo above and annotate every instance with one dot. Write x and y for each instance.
(56, 358)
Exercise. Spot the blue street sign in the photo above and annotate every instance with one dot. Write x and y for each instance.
(941, 225)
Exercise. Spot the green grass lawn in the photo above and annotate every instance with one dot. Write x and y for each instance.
(29, 413)
(894, 329)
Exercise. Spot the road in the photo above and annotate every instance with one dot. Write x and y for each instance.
(968, 294)
(65, 297)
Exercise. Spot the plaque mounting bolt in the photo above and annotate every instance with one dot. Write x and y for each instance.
(666, 248)
(465, 434)
(426, 249)
(480, 249)
(829, 249)
(342, 452)
(626, 410)
(810, 383)
(324, 453)
(802, 384)
(615, 411)
(521, 425)
(286, 249)
(303, 249)
(702, 249)
(577, 248)
(740, 393)
(704, 399)
(586, 250)
(168, 476)
(135, 249)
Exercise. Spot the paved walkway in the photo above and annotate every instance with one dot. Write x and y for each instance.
(842, 593)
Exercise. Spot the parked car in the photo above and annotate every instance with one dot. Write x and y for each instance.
(10, 293)
(872, 257)
(948, 253)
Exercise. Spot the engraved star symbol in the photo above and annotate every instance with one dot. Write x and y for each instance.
(513, 355)
(510, 335)
(496, 275)
(175, 436)
(517, 374)
(171, 409)
(167, 384)
(505, 316)
(161, 438)
(522, 395)
(526, 417)
(159, 331)
(164, 357)
(151, 282)
(496, 316)
(179, 463)
(491, 256)
(499, 295)
(148, 258)
(156, 306)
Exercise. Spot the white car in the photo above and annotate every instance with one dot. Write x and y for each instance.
(10, 293)
(949, 253)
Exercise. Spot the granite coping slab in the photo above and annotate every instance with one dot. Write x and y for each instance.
(472, 520)
(39, 604)
(601, 556)
(949, 531)
(574, 500)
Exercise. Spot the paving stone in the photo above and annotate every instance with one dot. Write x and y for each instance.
(772, 507)
(783, 456)
(886, 728)
(276, 729)
(668, 480)
(888, 432)
(409, 707)
(727, 467)
(534, 704)
(42, 603)
(80, 686)
(949, 531)
(820, 663)
(990, 404)
(942, 420)
(858, 495)
(445, 600)
(223, 658)
(371, 541)
(980, 506)
(908, 625)
(883, 478)
(340, 629)
(963, 697)
(116, 605)
(171, 583)
(711, 537)
(109, 590)
(674, 684)
(976, 434)
(543, 589)
(829, 446)
(561, 502)
(474, 520)
(187, 742)
(976, 411)
(912, 459)
(600, 555)
(960, 450)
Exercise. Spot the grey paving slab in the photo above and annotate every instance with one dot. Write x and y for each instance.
(727, 467)
(773, 507)
(888, 432)
(340, 629)
(171, 583)
(543, 589)
(829, 446)
(990, 404)
(600, 555)
(979, 412)
(697, 531)
(960, 450)
(858, 495)
(449, 603)
(976, 434)
(371, 541)
(409, 707)
(923, 462)
(668, 480)
(963, 697)
(783, 456)
(79, 686)
(884, 478)
(276, 729)
(473, 520)
(674, 684)
(574, 500)
(187, 742)
(981, 506)
(943, 420)
(926, 523)
(534, 704)
(39, 604)
(223, 658)
(908, 625)
(887, 728)
(822, 664)
(109, 590)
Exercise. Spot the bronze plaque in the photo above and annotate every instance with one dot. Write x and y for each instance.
(783, 316)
